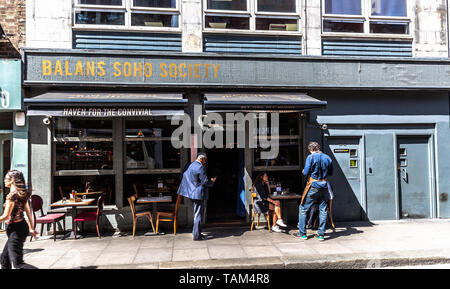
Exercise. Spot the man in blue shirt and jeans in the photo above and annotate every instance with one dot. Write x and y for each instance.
(318, 167)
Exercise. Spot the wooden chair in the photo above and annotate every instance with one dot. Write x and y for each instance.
(36, 205)
(91, 216)
(135, 191)
(165, 216)
(330, 213)
(61, 194)
(257, 215)
(137, 214)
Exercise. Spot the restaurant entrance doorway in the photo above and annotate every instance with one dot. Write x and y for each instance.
(223, 203)
(5, 164)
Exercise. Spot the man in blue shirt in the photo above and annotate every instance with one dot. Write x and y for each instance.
(194, 186)
(318, 167)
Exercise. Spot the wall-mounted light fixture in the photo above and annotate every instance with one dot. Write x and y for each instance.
(47, 120)
(20, 118)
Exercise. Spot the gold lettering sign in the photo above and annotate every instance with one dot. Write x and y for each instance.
(127, 69)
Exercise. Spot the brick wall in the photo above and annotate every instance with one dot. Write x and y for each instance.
(12, 20)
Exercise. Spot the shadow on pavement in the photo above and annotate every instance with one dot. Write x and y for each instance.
(348, 229)
(28, 251)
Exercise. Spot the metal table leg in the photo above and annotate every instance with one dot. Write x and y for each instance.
(71, 234)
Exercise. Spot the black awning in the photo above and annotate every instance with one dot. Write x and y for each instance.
(104, 104)
(280, 102)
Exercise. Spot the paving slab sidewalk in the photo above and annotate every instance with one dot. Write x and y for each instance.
(351, 245)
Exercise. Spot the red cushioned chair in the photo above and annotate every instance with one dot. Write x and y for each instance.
(36, 205)
(91, 216)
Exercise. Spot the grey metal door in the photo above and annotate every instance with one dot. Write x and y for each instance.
(414, 177)
(346, 179)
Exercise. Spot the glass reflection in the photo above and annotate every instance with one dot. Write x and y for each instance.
(76, 127)
(235, 5)
(276, 6)
(341, 26)
(84, 156)
(288, 155)
(154, 20)
(389, 8)
(151, 155)
(101, 2)
(148, 144)
(155, 3)
(276, 24)
(219, 22)
(100, 18)
(389, 28)
(346, 7)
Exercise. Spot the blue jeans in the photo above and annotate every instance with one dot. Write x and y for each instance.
(314, 194)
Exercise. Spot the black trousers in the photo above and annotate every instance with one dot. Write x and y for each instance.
(13, 250)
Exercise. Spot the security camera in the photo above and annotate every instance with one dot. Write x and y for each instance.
(323, 126)
(47, 120)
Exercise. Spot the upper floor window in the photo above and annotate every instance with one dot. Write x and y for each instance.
(252, 15)
(366, 16)
(134, 14)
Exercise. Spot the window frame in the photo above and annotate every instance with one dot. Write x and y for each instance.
(80, 172)
(252, 13)
(282, 137)
(140, 171)
(128, 9)
(367, 17)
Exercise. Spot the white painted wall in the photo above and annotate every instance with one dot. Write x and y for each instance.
(191, 15)
(49, 24)
(312, 27)
(430, 28)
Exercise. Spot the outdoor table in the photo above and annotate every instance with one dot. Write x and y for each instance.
(74, 205)
(154, 201)
(282, 198)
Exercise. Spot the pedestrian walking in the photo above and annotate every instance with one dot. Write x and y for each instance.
(318, 166)
(194, 185)
(17, 228)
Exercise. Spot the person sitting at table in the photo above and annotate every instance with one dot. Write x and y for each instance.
(266, 204)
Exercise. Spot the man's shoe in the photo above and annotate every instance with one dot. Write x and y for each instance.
(281, 223)
(276, 229)
(301, 236)
(200, 238)
(308, 226)
(320, 238)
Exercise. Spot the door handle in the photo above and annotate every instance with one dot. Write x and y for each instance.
(404, 175)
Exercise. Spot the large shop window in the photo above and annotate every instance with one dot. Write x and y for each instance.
(285, 169)
(366, 17)
(83, 157)
(152, 164)
(252, 15)
(129, 14)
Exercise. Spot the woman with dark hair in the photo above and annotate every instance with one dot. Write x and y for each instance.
(18, 229)
(265, 203)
